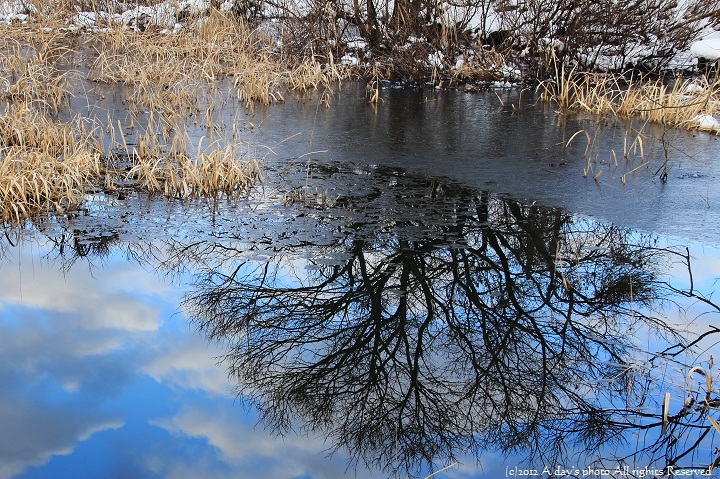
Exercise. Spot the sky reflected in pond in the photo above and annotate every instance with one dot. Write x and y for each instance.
(102, 377)
(398, 319)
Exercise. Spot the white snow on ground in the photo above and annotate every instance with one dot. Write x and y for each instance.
(706, 122)
(349, 59)
(694, 88)
(164, 14)
(436, 60)
(12, 11)
(707, 49)
(87, 19)
(357, 44)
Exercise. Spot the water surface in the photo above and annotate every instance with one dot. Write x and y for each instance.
(424, 282)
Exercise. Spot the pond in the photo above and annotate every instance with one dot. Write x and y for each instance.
(439, 279)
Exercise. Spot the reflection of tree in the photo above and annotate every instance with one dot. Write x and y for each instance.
(484, 329)
(431, 321)
(64, 246)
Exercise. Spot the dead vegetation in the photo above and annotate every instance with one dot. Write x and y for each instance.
(44, 165)
(29, 73)
(692, 103)
(48, 165)
(170, 72)
(230, 169)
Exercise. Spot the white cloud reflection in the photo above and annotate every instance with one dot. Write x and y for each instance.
(73, 341)
(39, 432)
(249, 451)
(189, 362)
(95, 298)
(67, 343)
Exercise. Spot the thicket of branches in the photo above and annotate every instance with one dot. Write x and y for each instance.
(532, 33)
(413, 39)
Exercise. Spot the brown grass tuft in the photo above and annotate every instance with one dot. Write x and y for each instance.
(227, 171)
(682, 104)
(28, 74)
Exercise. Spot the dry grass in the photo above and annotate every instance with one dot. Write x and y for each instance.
(482, 66)
(170, 72)
(258, 80)
(44, 165)
(681, 105)
(28, 74)
(633, 151)
(229, 171)
(699, 401)
(170, 79)
(205, 51)
(310, 74)
(25, 127)
(32, 182)
(162, 163)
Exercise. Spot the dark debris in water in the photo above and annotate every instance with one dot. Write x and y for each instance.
(691, 176)
(304, 204)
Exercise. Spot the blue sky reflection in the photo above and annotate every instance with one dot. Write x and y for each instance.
(103, 378)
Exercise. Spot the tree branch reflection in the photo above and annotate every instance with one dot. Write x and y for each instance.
(415, 322)
(482, 323)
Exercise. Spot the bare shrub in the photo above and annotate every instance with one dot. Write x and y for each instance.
(608, 35)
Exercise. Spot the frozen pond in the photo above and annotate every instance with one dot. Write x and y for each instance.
(429, 279)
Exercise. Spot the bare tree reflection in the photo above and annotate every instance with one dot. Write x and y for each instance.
(449, 323)
(414, 321)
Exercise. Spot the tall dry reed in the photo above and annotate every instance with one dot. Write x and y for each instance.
(691, 103)
(44, 165)
(228, 171)
(29, 73)
(170, 72)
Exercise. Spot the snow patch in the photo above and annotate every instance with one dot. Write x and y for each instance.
(435, 60)
(167, 15)
(694, 88)
(709, 49)
(12, 12)
(357, 44)
(349, 59)
(227, 6)
(706, 122)
(194, 7)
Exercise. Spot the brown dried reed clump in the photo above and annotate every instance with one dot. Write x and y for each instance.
(49, 165)
(480, 66)
(685, 103)
(161, 163)
(28, 73)
(226, 171)
(171, 72)
(44, 165)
